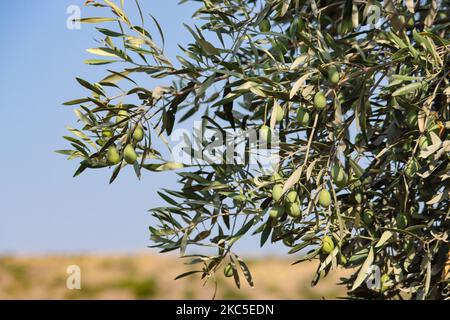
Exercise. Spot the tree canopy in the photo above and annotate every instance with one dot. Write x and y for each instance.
(357, 93)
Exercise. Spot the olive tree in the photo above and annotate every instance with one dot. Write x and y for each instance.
(357, 95)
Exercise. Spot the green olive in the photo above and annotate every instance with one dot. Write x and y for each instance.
(340, 178)
(276, 211)
(292, 196)
(113, 156)
(303, 117)
(129, 154)
(122, 117)
(277, 192)
(138, 134)
(293, 209)
(264, 133)
(320, 101)
(327, 245)
(333, 75)
(107, 133)
(324, 198)
(279, 113)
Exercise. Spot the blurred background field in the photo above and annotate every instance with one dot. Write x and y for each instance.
(145, 276)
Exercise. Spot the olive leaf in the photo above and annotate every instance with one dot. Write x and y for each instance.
(407, 89)
(362, 273)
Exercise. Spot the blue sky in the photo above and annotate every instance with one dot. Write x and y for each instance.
(42, 208)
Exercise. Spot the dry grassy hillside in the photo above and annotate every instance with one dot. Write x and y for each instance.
(152, 277)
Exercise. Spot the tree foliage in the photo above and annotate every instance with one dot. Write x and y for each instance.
(361, 92)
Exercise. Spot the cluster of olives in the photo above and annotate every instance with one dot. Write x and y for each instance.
(303, 116)
(327, 248)
(113, 156)
(129, 155)
(320, 100)
(290, 202)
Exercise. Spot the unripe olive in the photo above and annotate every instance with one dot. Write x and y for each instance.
(264, 26)
(113, 156)
(324, 198)
(121, 118)
(293, 209)
(303, 117)
(138, 134)
(277, 192)
(340, 178)
(280, 113)
(107, 133)
(129, 154)
(228, 270)
(327, 245)
(320, 101)
(333, 75)
(264, 133)
(276, 211)
(292, 196)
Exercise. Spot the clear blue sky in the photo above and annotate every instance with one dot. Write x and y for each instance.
(42, 208)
